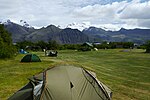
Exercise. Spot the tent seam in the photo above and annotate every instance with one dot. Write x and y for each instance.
(97, 84)
(44, 83)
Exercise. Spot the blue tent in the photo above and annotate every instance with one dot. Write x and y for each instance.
(21, 51)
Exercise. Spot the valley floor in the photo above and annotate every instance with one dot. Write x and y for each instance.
(125, 73)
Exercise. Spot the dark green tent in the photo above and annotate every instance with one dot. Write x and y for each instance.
(86, 47)
(30, 58)
(64, 83)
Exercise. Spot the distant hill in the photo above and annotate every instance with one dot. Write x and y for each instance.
(123, 35)
(51, 32)
(18, 32)
(63, 36)
(43, 34)
(74, 36)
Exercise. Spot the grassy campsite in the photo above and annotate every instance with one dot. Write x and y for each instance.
(125, 73)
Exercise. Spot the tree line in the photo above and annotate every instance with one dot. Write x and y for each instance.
(7, 49)
(53, 45)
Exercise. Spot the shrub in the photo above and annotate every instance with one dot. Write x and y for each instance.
(148, 47)
(7, 50)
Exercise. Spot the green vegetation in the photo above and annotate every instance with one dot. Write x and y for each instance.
(7, 50)
(114, 45)
(125, 73)
(148, 47)
(53, 45)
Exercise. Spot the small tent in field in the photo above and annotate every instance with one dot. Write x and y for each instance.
(52, 53)
(30, 58)
(86, 47)
(63, 83)
(21, 51)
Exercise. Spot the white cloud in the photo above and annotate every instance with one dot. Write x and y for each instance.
(144, 23)
(99, 11)
(136, 10)
(62, 12)
(8, 8)
(123, 14)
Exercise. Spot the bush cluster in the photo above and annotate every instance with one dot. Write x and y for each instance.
(7, 50)
(147, 45)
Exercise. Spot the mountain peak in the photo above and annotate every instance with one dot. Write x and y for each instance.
(72, 29)
(122, 29)
(92, 28)
(25, 24)
(51, 26)
(79, 26)
(8, 22)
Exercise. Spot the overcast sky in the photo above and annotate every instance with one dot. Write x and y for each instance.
(107, 13)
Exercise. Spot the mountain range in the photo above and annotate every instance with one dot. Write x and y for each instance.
(71, 35)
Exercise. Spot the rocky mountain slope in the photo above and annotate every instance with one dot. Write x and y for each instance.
(51, 32)
(73, 36)
(123, 35)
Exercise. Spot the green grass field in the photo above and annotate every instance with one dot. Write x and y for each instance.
(127, 74)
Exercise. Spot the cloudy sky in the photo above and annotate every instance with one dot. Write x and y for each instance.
(106, 13)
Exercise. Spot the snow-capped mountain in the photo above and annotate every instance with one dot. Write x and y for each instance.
(72, 36)
(6, 22)
(86, 25)
(79, 26)
(25, 24)
(22, 23)
(108, 27)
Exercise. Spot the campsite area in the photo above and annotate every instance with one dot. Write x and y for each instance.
(125, 73)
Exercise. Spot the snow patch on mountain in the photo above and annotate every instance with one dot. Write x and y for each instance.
(8, 22)
(21, 22)
(86, 25)
(25, 24)
(79, 26)
(108, 27)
